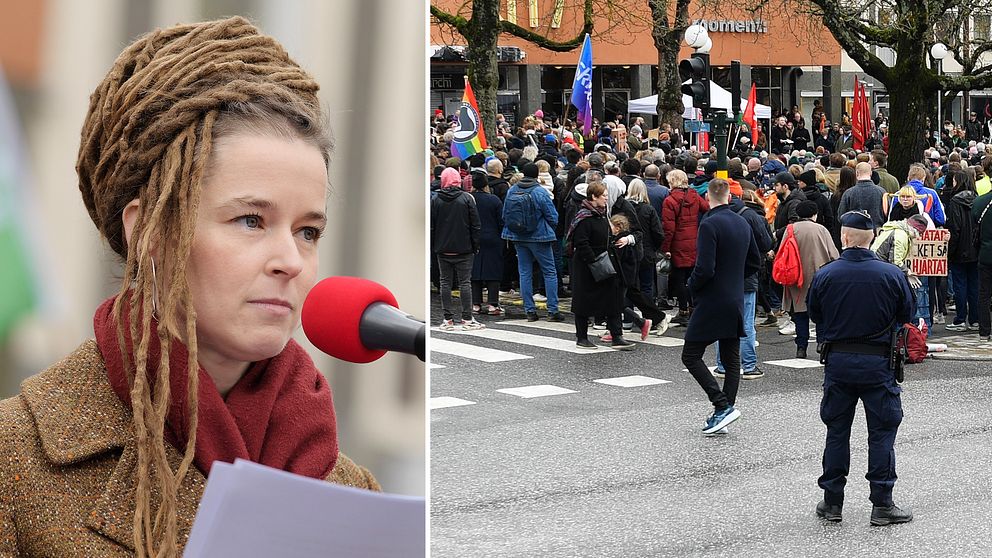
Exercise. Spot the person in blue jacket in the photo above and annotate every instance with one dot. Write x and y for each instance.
(725, 253)
(855, 302)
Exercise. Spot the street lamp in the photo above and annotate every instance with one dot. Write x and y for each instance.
(939, 51)
(696, 36)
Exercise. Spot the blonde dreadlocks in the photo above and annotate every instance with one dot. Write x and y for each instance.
(148, 136)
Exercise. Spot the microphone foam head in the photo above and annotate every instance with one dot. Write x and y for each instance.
(332, 313)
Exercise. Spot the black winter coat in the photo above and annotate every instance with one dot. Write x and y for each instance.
(786, 212)
(499, 187)
(589, 297)
(625, 208)
(726, 253)
(754, 214)
(651, 233)
(488, 262)
(455, 225)
(824, 213)
(961, 248)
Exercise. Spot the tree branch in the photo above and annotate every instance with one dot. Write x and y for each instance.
(546, 43)
(458, 22)
(835, 20)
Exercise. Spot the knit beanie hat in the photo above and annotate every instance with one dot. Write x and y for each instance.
(808, 177)
(806, 209)
(451, 178)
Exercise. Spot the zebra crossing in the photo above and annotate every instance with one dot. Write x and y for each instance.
(513, 336)
(520, 341)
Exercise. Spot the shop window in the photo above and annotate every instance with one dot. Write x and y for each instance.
(721, 75)
(981, 29)
(616, 77)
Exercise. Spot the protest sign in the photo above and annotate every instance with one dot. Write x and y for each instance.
(929, 254)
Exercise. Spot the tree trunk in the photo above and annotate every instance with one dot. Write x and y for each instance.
(909, 104)
(667, 40)
(483, 67)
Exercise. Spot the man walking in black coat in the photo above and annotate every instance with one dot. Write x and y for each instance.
(725, 253)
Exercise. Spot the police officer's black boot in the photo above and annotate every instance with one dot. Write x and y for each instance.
(800, 352)
(830, 512)
(889, 515)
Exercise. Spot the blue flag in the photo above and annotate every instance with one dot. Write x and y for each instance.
(582, 86)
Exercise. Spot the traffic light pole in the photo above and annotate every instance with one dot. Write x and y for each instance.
(721, 129)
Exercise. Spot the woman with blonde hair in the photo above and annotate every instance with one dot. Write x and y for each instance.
(203, 164)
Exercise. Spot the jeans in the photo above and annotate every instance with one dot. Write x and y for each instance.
(923, 304)
(461, 265)
(749, 358)
(801, 319)
(692, 358)
(938, 292)
(984, 298)
(543, 254)
(965, 280)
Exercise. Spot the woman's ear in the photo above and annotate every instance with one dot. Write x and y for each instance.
(130, 215)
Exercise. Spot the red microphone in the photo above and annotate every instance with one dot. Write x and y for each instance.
(357, 320)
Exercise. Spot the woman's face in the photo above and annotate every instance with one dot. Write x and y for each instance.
(254, 253)
(599, 201)
(907, 201)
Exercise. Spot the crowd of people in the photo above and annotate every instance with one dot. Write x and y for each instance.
(659, 185)
(630, 222)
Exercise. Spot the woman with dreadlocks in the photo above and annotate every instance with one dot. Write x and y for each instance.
(203, 163)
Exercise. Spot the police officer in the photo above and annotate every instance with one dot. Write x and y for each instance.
(855, 302)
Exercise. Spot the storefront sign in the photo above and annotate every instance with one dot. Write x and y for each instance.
(447, 81)
(734, 26)
(929, 254)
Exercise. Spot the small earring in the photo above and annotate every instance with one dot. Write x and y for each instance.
(154, 291)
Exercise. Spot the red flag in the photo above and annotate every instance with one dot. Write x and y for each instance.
(857, 120)
(749, 117)
(867, 124)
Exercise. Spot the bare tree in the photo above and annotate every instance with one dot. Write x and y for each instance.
(908, 28)
(667, 33)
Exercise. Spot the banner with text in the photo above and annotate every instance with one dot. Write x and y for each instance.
(929, 254)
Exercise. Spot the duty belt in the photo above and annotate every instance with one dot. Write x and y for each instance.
(860, 348)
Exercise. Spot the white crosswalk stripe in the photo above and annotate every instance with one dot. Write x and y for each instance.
(445, 402)
(542, 341)
(566, 327)
(473, 352)
(530, 392)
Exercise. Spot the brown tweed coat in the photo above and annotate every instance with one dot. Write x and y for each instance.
(68, 466)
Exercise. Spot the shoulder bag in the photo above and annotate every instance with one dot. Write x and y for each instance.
(602, 267)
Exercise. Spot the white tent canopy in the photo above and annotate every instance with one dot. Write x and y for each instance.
(719, 98)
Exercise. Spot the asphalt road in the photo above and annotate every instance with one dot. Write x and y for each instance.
(625, 471)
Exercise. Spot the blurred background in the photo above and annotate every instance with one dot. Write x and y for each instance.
(367, 55)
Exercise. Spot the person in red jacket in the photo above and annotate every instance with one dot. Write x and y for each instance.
(680, 215)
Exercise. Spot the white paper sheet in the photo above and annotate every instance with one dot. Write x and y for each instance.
(249, 510)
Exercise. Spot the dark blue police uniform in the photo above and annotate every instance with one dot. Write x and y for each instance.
(859, 297)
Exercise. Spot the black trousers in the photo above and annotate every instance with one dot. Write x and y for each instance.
(730, 356)
(493, 290)
(984, 298)
(677, 286)
(613, 324)
(883, 410)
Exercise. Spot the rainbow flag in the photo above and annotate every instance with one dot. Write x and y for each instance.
(470, 138)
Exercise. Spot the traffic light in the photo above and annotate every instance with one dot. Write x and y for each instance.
(697, 69)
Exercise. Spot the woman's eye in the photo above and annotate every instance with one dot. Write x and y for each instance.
(251, 221)
(311, 234)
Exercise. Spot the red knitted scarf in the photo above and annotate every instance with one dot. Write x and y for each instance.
(279, 414)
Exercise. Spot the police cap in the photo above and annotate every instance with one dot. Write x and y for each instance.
(858, 219)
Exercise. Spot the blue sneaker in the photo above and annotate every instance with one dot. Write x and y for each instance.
(720, 419)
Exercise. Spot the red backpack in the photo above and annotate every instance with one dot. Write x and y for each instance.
(787, 270)
(913, 342)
